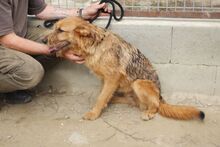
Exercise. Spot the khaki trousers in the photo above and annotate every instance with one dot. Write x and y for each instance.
(20, 71)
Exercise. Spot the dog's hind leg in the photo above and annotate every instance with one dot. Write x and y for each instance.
(110, 86)
(148, 95)
(123, 100)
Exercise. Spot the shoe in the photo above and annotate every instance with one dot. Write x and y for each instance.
(17, 97)
(1, 100)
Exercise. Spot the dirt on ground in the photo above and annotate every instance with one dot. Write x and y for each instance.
(54, 119)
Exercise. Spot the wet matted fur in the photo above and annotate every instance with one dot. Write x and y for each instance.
(127, 75)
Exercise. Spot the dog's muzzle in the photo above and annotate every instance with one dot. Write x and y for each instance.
(58, 46)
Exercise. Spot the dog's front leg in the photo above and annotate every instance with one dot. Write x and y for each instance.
(110, 86)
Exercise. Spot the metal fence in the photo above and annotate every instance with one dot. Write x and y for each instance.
(166, 8)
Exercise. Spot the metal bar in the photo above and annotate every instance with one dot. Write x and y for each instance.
(166, 5)
(67, 6)
(158, 5)
(175, 5)
(187, 8)
(193, 5)
(202, 5)
(181, 14)
(132, 4)
(59, 3)
(184, 5)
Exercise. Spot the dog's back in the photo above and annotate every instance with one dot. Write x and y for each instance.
(126, 59)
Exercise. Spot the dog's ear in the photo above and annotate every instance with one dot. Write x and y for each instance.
(83, 31)
(89, 32)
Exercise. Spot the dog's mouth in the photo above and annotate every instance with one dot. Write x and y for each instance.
(59, 46)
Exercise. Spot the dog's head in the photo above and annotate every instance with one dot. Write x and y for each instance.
(76, 34)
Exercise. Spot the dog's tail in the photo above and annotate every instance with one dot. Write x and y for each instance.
(180, 112)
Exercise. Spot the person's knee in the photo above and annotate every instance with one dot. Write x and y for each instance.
(29, 74)
(18, 71)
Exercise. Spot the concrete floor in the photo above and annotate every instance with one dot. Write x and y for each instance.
(53, 119)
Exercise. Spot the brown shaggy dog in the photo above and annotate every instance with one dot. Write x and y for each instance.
(128, 76)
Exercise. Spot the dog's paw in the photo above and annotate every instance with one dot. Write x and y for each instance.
(91, 115)
(147, 116)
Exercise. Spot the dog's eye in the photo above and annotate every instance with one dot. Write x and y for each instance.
(60, 30)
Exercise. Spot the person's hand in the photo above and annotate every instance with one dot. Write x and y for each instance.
(91, 11)
(69, 55)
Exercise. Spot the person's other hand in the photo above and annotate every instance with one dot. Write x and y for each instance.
(69, 55)
(91, 11)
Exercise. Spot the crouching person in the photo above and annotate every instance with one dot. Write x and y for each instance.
(22, 54)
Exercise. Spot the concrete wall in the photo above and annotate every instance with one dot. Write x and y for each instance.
(186, 54)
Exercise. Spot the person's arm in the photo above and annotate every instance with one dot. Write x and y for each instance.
(15, 42)
(51, 12)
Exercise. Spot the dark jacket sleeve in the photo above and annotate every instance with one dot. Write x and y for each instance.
(36, 6)
(6, 22)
